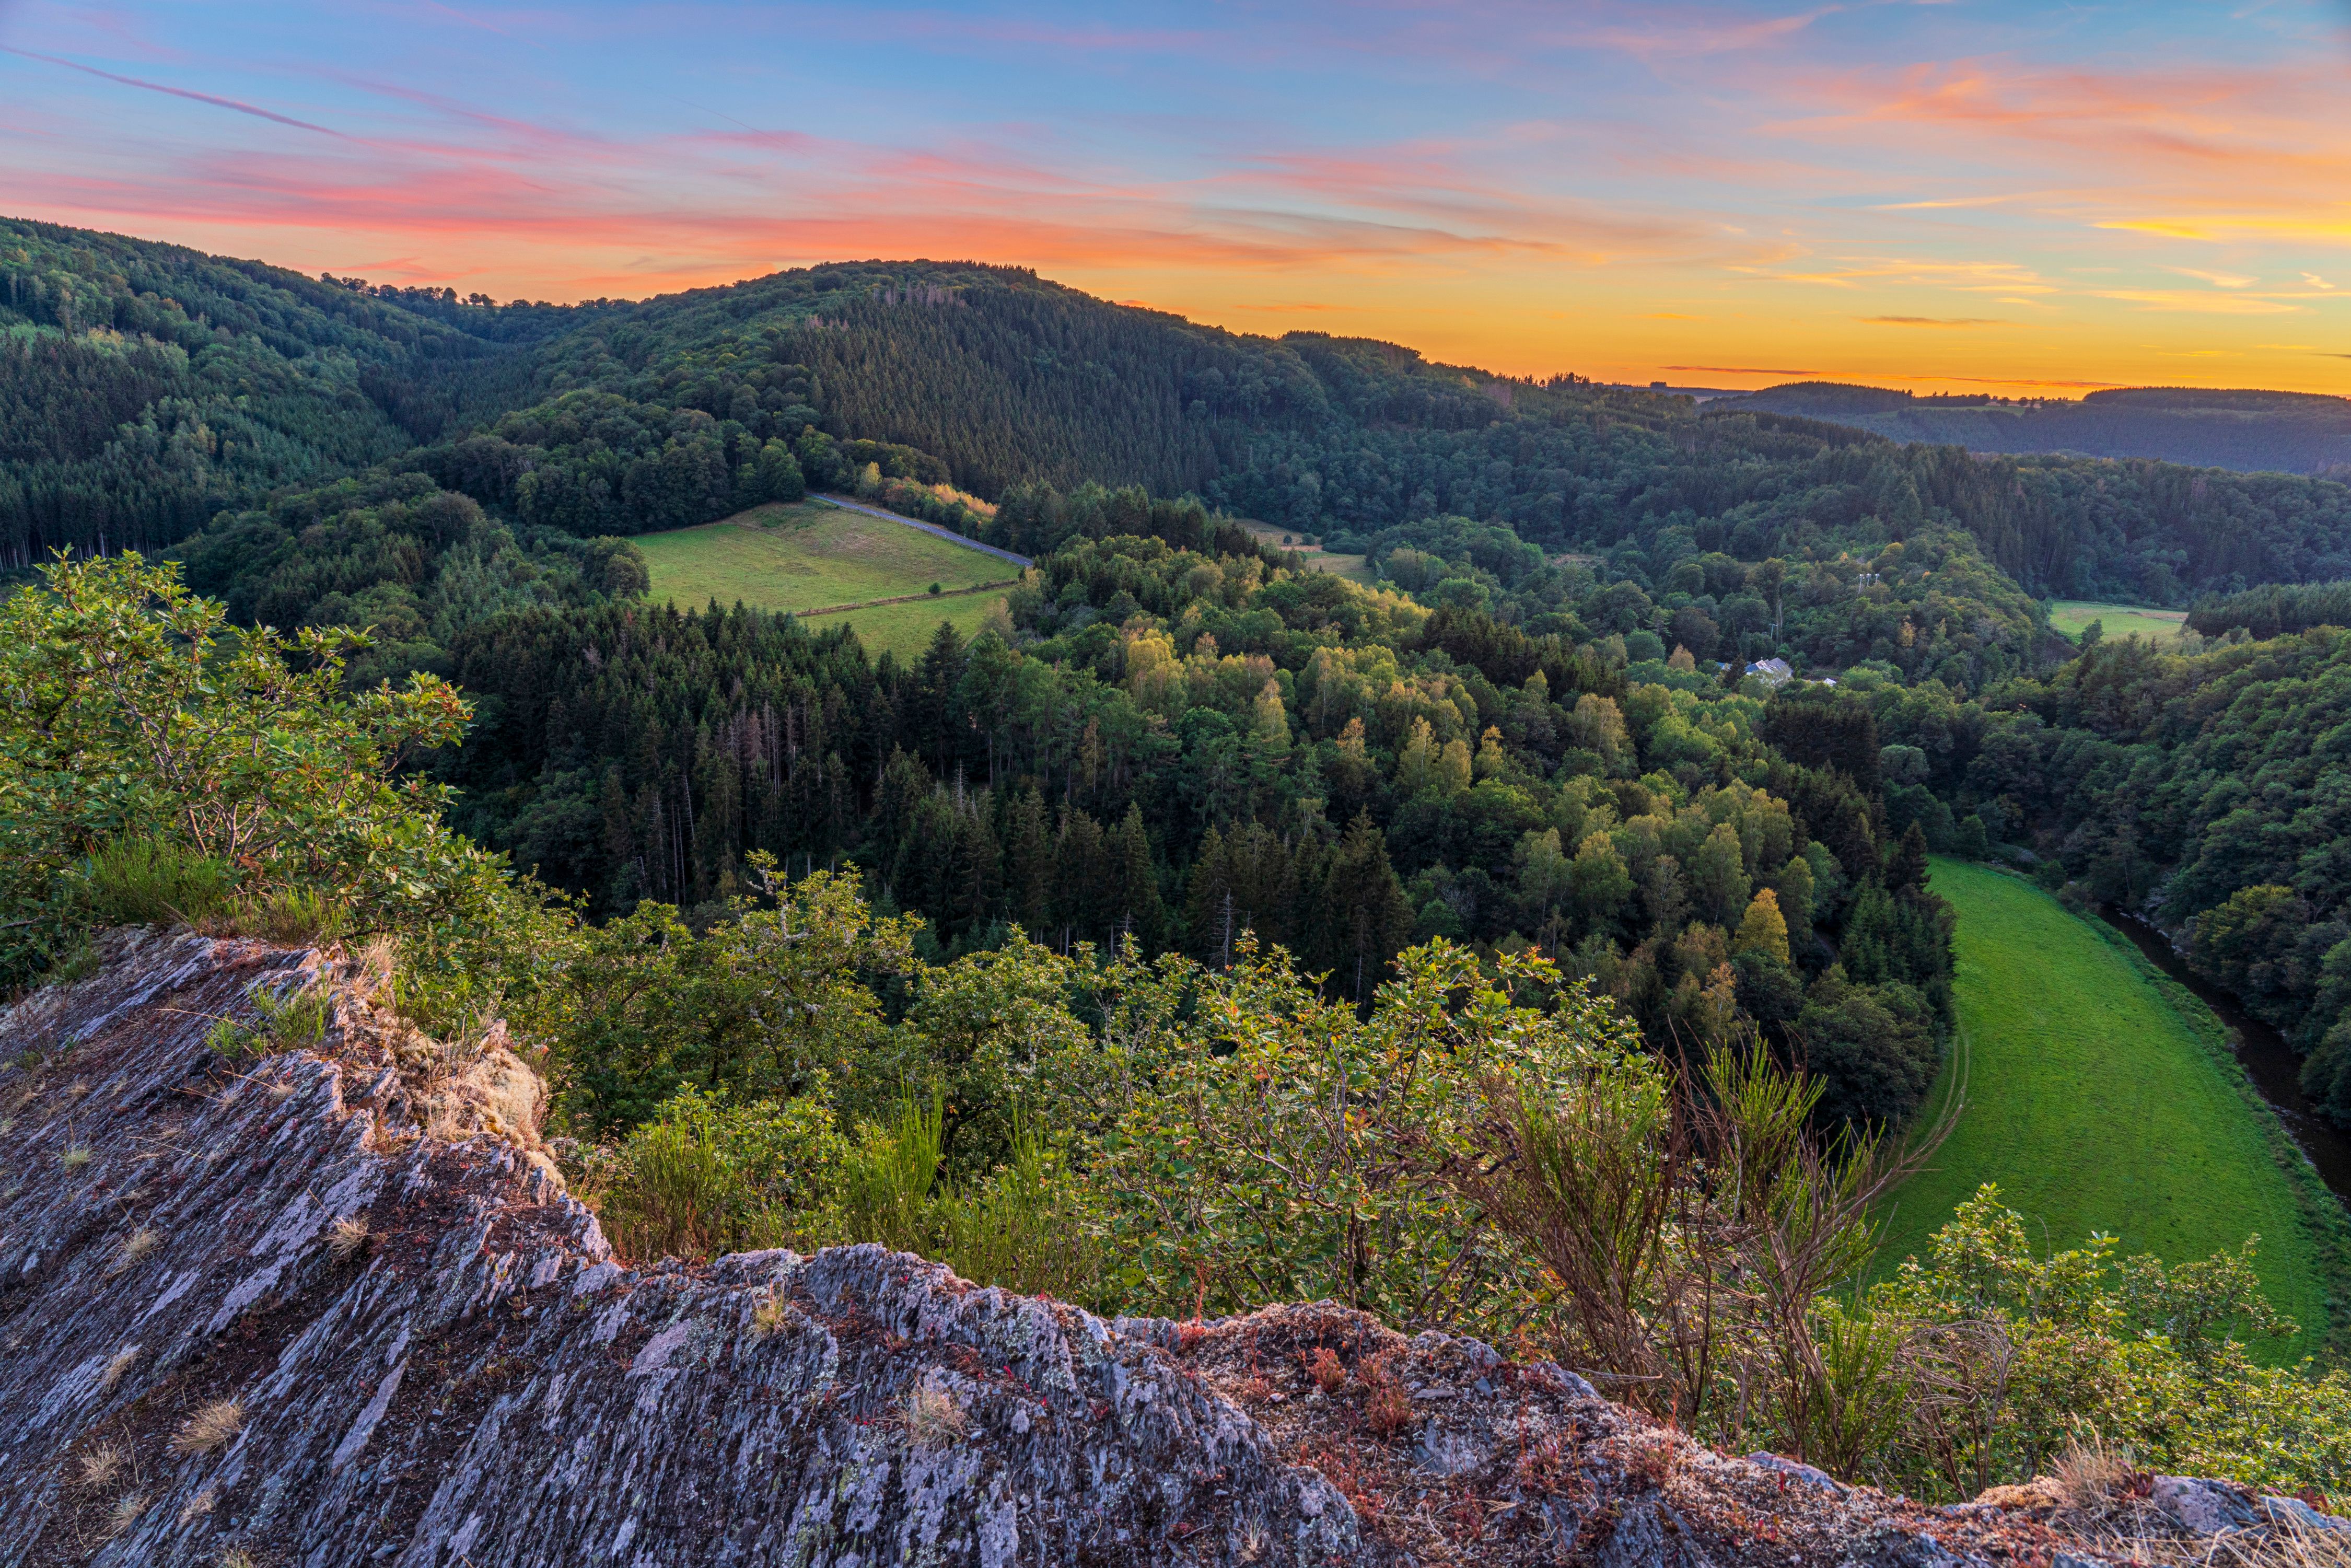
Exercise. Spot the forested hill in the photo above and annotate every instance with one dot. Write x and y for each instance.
(145, 387)
(148, 387)
(2291, 433)
(1010, 379)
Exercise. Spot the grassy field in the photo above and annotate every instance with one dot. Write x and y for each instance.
(805, 555)
(2068, 616)
(907, 629)
(1351, 567)
(2097, 1100)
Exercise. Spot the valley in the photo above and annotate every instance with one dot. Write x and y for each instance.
(2100, 1100)
(1034, 946)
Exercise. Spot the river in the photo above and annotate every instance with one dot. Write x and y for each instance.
(2273, 1064)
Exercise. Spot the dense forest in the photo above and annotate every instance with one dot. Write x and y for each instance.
(1533, 730)
(156, 386)
(1176, 737)
(2250, 432)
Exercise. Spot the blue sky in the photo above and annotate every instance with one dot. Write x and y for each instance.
(1969, 193)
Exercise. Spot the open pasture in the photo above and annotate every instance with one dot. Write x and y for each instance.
(2098, 1102)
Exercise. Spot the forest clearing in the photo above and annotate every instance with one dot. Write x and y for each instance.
(808, 555)
(805, 555)
(2069, 617)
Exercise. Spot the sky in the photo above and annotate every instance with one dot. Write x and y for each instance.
(1946, 195)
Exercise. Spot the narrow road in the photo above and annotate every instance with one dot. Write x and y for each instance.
(948, 534)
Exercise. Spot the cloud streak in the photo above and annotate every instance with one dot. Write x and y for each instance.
(229, 103)
(1533, 185)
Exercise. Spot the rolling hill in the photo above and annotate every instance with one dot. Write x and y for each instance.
(2247, 431)
(149, 387)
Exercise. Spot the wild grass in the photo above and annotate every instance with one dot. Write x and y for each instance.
(135, 1246)
(346, 1237)
(143, 882)
(933, 1418)
(2096, 1107)
(97, 1466)
(280, 1023)
(125, 1512)
(2089, 1470)
(212, 1426)
(120, 1363)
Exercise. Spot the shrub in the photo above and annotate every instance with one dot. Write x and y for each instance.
(1287, 1149)
(2011, 1356)
(137, 731)
(704, 1178)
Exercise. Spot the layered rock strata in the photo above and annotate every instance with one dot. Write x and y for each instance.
(253, 1311)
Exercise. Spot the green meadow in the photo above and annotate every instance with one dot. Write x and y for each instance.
(2069, 616)
(2101, 1097)
(906, 630)
(808, 556)
(805, 555)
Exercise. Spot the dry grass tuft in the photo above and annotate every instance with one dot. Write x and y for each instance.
(767, 1316)
(933, 1418)
(209, 1428)
(373, 967)
(235, 1557)
(346, 1237)
(2090, 1472)
(196, 1507)
(135, 1246)
(99, 1465)
(74, 1158)
(116, 1367)
(125, 1512)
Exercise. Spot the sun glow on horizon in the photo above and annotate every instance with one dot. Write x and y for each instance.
(1984, 197)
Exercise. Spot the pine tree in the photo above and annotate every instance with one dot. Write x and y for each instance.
(1028, 864)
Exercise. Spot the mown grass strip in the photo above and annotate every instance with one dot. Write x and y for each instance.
(2101, 1097)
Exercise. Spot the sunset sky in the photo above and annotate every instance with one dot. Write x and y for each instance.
(1944, 194)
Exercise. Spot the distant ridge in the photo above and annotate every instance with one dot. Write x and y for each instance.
(2245, 429)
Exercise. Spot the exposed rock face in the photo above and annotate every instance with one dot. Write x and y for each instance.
(202, 1352)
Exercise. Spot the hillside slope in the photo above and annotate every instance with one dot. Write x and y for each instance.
(144, 387)
(159, 386)
(254, 1308)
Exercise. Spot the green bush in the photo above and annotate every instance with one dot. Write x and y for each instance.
(703, 1177)
(142, 735)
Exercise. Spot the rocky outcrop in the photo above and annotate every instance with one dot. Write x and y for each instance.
(250, 1310)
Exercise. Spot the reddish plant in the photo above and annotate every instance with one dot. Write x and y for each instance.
(1387, 1409)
